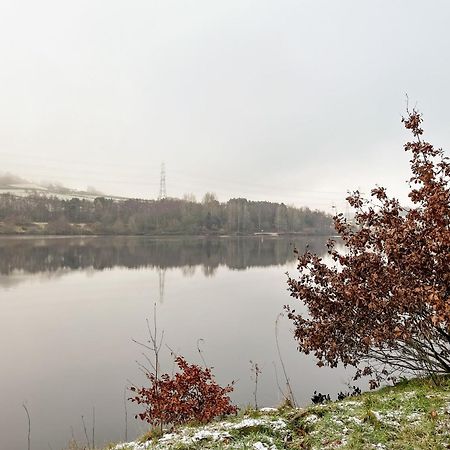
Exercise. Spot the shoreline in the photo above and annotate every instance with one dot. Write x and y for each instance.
(202, 236)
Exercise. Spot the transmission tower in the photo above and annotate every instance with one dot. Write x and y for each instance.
(162, 183)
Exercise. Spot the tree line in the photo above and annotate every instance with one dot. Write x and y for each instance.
(38, 213)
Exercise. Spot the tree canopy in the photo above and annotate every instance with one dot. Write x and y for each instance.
(384, 301)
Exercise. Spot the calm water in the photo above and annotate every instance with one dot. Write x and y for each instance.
(71, 306)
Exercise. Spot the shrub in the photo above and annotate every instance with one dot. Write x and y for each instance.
(385, 300)
(318, 398)
(192, 394)
(354, 392)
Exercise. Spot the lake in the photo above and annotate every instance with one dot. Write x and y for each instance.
(70, 308)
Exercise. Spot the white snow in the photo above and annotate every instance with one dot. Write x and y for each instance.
(215, 432)
(311, 419)
(247, 423)
(268, 410)
(355, 420)
(207, 434)
(261, 446)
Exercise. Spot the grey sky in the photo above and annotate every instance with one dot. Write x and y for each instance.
(293, 101)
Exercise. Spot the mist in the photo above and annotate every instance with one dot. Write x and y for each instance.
(290, 101)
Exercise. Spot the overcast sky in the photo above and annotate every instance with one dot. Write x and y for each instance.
(294, 101)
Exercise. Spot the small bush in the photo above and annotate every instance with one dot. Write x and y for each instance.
(192, 394)
(319, 398)
(355, 391)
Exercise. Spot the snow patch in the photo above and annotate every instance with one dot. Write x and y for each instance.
(355, 420)
(268, 410)
(311, 419)
(408, 395)
(206, 434)
(276, 425)
(414, 417)
(261, 446)
(133, 446)
(352, 403)
(214, 432)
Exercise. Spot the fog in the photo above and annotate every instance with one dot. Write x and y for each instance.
(289, 101)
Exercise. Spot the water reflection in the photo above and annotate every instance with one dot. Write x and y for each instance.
(48, 255)
(70, 307)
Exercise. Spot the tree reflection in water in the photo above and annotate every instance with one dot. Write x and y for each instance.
(49, 255)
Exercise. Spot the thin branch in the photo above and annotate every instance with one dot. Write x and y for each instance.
(278, 381)
(126, 413)
(288, 384)
(200, 351)
(85, 432)
(256, 372)
(29, 425)
(93, 427)
(143, 345)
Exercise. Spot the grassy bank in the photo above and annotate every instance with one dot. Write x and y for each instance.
(413, 414)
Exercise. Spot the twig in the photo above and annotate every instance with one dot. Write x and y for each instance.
(172, 351)
(288, 384)
(256, 371)
(175, 356)
(278, 381)
(154, 345)
(29, 425)
(93, 427)
(201, 352)
(85, 432)
(126, 413)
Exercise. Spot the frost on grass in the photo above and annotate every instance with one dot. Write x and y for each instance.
(311, 419)
(201, 435)
(261, 446)
(446, 408)
(268, 410)
(377, 419)
(393, 417)
(216, 432)
(355, 420)
(408, 395)
(390, 418)
(133, 446)
(350, 403)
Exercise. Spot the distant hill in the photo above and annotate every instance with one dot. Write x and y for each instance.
(13, 184)
(8, 179)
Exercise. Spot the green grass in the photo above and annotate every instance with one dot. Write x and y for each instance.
(412, 415)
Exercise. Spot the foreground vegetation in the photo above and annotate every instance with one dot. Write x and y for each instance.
(413, 414)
